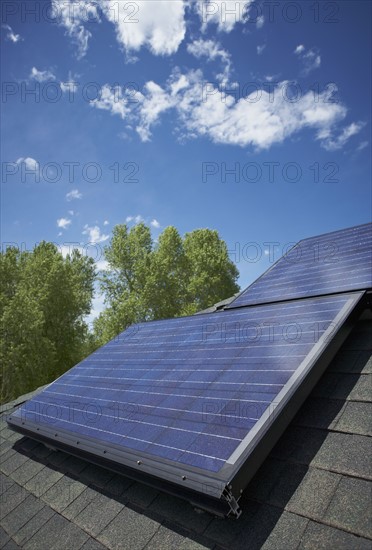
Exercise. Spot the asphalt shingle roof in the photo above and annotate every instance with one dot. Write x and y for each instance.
(313, 491)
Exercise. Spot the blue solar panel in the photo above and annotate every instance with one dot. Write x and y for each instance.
(189, 390)
(330, 263)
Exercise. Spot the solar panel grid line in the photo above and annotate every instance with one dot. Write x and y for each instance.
(162, 394)
(163, 328)
(188, 381)
(301, 272)
(131, 420)
(118, 403)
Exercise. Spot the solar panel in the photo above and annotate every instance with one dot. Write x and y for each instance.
(330, 263)
(192, 401)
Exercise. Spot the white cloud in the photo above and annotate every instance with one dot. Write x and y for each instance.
(71, 212)
(224, 14)
(310, 59)
(258, 120)
(94, 234)
(41, 76)
(63, 223)
(136, 219)
(29, 163)
(333, 144)
(260, 49)
(106, 222)
(71, 15)
(70, 86)
(260, 21)
(362, 145)
(154, 223)
(212, 50)
(74, 194)
(102, 265)
(299, 49)
(158, 25)
(11, 35)
(155, 102)
(113, 99)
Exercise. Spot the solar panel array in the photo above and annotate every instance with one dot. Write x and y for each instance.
(197, 394)
(331, 263)
(187, 389)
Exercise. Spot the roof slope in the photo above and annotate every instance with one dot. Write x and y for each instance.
(313, 491)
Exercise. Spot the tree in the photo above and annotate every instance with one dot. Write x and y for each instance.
(43, 302)
(174, 277)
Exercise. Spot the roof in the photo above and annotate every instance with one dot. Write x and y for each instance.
(313, 491)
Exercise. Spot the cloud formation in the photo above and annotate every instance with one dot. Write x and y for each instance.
(29, 163)
(94, 234)
(158, 25)
(310, 59)
(224, 13)
(41, 76)
(63, 223)
(258, 119)
(212, 50)
(11, 36)
(73, 195)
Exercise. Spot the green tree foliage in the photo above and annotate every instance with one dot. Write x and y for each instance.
(173, 277)
(43, 300)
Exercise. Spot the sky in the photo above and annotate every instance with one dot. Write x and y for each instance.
(248, 117)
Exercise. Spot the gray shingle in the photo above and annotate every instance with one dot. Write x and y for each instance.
(344, 386)
(313, 496)
(92, 544)
(33, 525)
(128, 531)
(4, 537)
(226, 533)
(189, 544)
(9, 453)
(25, 511)
(320, 413)
(352, 361)
(356, 419)
(287, 532)
(346, 454)
(11, 498)
(43, 481)
(94, 475)
(323, 537)
(140, 494)
(11, 545)
(57, 533)
(27, 471)
(98, 514)
(180, 512)
(14, 461)
(65, 491)
(350, 508)
(165, 539)
(79, 503)
(5, 445)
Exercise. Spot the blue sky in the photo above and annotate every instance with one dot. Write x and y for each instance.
(252, 118)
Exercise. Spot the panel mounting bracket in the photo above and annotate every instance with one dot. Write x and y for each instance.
(235, 510)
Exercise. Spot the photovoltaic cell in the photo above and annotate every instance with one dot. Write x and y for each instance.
(331, 263)
(189, 390)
